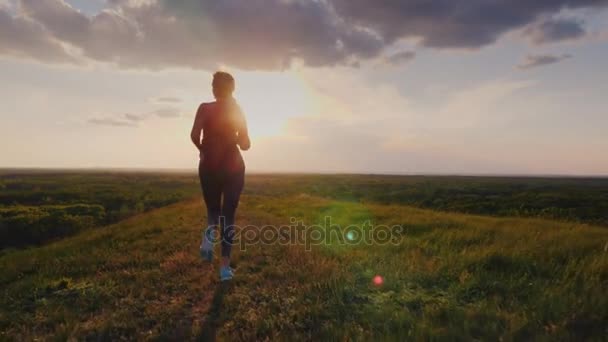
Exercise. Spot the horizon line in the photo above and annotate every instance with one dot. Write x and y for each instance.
(4, 170)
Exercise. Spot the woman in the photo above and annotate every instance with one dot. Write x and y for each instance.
(221, 168)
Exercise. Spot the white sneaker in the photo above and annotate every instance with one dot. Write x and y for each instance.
(206, 248)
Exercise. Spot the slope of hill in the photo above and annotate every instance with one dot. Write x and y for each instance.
(452, 276)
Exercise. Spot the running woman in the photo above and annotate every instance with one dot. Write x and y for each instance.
(223, 129)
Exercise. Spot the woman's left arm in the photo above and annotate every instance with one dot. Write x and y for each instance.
(243, 134)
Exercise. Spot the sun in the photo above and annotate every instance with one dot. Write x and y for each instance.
(270, 99)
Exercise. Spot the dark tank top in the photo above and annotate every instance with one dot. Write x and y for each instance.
(219, 148)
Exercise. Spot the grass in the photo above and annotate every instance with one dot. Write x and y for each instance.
(451, 277)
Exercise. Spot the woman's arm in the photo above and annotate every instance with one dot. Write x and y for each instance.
(197, 128)
(243, 133)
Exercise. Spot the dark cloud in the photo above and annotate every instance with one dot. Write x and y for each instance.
(268, 34)
(534, 61)
(108, 36)
(555, 30)
(253, 34)
(21, 37)
(400, 57)
(451, 23)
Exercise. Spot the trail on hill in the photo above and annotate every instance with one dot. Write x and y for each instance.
(451, 276)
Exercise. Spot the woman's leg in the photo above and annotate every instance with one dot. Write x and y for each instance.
(212, 194)
(233, 186)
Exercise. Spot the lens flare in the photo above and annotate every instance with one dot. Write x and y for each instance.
(378, 280)
(350, 236)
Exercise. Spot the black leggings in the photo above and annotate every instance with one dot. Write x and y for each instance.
(214, 185)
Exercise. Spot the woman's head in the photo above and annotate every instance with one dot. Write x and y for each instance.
(223, 85)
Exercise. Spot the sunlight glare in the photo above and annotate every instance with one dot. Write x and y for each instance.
(269, 99)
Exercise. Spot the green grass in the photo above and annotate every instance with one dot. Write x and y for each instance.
(452, 277)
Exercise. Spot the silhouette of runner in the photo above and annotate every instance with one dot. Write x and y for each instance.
(221, 170)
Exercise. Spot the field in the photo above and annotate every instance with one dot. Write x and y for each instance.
(470, 258)
(37, 207)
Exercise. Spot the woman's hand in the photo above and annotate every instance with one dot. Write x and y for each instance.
(244, 142)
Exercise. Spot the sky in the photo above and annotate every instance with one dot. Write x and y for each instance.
(355, 86)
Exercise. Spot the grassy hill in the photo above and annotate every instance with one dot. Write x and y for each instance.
(450, 277)
(41, 206)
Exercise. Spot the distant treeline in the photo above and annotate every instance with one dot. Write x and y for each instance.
(36, 208)
(570, 199)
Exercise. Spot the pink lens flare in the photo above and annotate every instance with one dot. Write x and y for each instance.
(378, 280)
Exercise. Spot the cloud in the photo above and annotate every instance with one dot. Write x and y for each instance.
(555, 30)
(534, 61)
(134, 117)
(400, 57)
(21, 37)
(451, 23)
(7, 5)
(167, 113)
(107, 36)
(267, 34)
(260, 34)
(133, 120)
(106, 121)
(167, 99)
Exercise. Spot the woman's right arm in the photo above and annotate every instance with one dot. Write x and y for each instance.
(197, 128)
